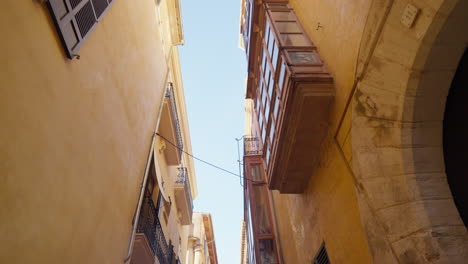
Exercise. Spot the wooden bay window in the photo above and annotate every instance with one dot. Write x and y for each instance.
(293, 93)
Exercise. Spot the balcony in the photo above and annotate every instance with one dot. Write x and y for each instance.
(170, 128)
(150, 241)
(183, 196)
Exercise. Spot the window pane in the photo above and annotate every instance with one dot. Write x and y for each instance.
(276, 108)
(270, 87)
(263, 86)
(281, 76)
(283, 16)
(272, 131)
(267, 73)
(288, 27)
(267, 156)
(267, 112)
(250, 235)
(270, 45)
(264, 60)
(267, 31)
(256, 172)
(303, 57)
(260, 85)
(273, 103)
(296, 40)
(274, 58)
(257, 102)
(267, 251)
(249, 11)
(263, 134)
(261, 209)
(260, 119)
(261, 90)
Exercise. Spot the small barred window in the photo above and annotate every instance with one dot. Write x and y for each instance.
(322, 256)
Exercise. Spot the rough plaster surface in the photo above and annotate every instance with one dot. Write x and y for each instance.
(75, 134)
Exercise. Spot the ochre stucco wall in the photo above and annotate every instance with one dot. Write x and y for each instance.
(328, 210)
(75, 134)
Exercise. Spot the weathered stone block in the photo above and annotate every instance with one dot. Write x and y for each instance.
(417, 248)
(422, 160)
(378, 103)
(442, 212)
(378, 163)
(403, 220)
(427, 134)
(452, 243)
(449, 61)
(385, 74)
(389, 191)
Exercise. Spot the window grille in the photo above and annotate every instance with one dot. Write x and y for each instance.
(322, 256)
(75, 19)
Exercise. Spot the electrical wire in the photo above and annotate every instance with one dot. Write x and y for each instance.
(206, 162)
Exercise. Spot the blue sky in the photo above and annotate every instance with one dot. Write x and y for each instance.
(213, 72)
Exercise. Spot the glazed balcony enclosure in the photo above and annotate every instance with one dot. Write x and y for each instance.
(292, 91)
(260, 229)
(183, 196)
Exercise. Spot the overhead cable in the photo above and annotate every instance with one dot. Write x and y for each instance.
(206, 162)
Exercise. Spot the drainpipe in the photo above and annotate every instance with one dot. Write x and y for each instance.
(136, 217)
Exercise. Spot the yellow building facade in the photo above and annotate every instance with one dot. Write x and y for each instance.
(202, 243)
(93, 127)
(344, 150)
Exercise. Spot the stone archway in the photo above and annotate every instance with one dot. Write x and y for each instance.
(407, 210)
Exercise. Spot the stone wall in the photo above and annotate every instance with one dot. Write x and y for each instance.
(406, 206)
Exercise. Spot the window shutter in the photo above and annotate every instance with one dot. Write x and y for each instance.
(74, 20)
(322, 256)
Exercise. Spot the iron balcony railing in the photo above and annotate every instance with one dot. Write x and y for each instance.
(183, 179)
(171, 97)
(251, 146)
(150, 226)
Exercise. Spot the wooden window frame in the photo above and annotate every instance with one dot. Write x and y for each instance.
(248, 218)
(252, 200)
(276, 96)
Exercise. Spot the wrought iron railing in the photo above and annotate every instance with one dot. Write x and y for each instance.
(251, 146)
(171, 97)
(183, 178)
(150, 226)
